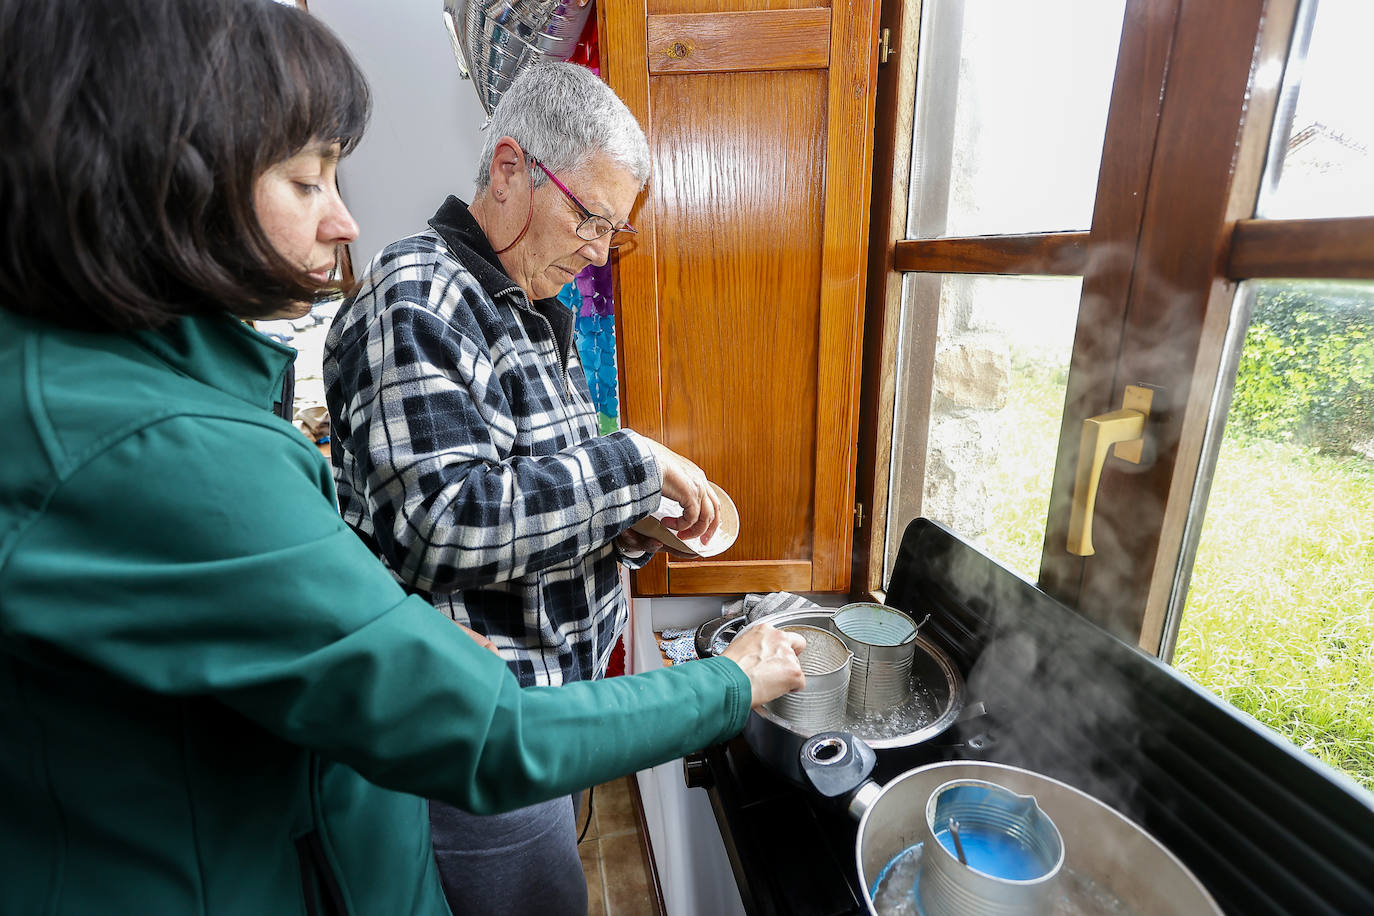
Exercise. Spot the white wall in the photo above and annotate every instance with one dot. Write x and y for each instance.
(424, 139)
(693, 868)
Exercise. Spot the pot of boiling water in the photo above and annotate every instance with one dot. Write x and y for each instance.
(1108, 863)
(934, 703)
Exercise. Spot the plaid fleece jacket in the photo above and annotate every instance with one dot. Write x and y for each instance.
(465, 445)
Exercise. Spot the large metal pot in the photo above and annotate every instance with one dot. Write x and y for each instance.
(937, 685)
(1110, 863)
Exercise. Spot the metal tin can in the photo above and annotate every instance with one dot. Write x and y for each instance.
(988, 852)
(820, 705)
(883, 641)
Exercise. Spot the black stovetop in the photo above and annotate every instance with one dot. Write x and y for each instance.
(792, 851)
(1266, 828)
(791, 856)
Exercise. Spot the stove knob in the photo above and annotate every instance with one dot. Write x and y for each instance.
(695, 772)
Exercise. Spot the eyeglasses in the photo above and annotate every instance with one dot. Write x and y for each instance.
(592, 226)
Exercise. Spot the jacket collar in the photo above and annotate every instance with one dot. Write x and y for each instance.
(224, 353)
(465, 238)
(458, 228)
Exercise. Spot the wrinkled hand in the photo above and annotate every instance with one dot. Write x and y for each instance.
(769, 657)
(480, 639)
(686, 484)
(632, 542)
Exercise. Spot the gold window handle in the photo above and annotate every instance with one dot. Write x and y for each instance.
(1123, 429)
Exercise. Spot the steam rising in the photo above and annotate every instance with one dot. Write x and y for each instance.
(1058, 700)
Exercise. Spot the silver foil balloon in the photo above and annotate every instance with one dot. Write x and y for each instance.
(494, 40)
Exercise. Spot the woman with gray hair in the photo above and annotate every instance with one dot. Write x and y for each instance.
(466, 448)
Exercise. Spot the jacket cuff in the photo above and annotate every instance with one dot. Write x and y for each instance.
(738, 694)
(637, 449)
(632, 560)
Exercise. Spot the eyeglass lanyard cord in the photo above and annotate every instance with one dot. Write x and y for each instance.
(528, 216)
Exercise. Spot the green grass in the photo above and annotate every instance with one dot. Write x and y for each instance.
(1280, 614)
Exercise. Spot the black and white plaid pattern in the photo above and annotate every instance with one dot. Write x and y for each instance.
(756, 606)
(465, 444)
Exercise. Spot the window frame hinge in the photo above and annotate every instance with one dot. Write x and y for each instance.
(858, 516)
(885, 49)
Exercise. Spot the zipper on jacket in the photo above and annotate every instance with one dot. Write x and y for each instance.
(524, 302)
(318, 884)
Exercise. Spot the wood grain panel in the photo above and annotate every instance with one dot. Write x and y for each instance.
(624, 66)
(739, 211)
(848, 179)
(749, 40)
(894, 116)
(1054, 254)
(759, 204)
(737, 577)
(668, 7)
(1290, 249)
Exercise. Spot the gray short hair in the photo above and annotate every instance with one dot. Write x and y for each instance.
(563, 115)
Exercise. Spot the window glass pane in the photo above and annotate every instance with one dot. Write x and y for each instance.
(983, 463)
(1320, 164)
(1011, 109)
(1279, 617)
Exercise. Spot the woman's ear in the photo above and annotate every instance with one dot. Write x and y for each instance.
(508, 169)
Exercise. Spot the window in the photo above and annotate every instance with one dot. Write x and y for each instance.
(1231, 226)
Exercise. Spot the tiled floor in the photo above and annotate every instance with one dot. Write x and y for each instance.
(618, 883)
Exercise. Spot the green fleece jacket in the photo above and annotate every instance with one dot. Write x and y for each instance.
(213, 698)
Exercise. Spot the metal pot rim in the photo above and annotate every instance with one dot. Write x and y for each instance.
(989, 770)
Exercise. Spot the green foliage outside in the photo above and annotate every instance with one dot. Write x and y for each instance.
(1306, 372)
(1280, 615)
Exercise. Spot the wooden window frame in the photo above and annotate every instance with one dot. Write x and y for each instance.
(1187, 132)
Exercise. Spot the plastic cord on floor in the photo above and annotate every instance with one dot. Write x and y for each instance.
(590, 795)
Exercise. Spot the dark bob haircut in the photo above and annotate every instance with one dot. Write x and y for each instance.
(133, 134)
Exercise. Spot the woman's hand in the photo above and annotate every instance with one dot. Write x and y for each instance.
(635, 544)
(480, 639)
(769, 657)
(686, 484)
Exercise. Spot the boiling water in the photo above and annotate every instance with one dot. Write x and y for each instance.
(894, 892)
(919, 710)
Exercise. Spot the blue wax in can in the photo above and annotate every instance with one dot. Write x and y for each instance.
(995, 853)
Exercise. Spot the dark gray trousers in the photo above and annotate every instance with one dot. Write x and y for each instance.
(521, 863)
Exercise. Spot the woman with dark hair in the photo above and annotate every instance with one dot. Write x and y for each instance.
(213, 698)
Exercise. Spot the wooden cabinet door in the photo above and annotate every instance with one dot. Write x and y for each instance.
(741, 300)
